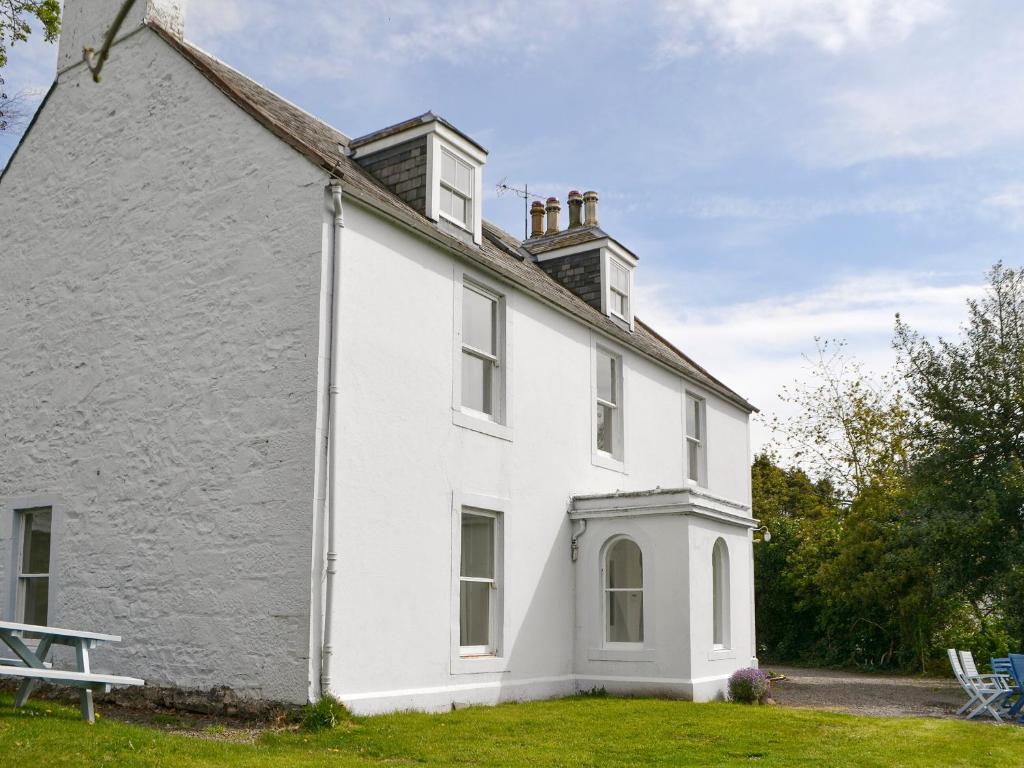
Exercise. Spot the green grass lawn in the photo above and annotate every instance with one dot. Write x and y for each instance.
(584, 731)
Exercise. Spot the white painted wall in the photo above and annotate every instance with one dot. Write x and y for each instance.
(405, 459)
(710, 668)
(158, 318)
(159, 289)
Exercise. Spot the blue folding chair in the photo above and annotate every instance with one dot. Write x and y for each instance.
(1001, 667)
(1017, 670)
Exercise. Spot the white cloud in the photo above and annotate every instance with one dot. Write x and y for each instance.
(950, 97)
(1009, 204)
(757, 347)
(801, 209)
(332, 40)
(766, 25)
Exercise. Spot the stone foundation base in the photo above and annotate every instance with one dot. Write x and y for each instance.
(219, 702)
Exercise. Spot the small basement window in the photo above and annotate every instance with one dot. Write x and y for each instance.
(457, 189)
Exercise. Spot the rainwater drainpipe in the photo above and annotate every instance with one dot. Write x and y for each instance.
(574, 549)
(334, 455)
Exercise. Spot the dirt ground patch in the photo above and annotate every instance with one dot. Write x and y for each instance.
(867, 694)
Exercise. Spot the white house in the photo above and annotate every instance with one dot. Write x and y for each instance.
(285, 411)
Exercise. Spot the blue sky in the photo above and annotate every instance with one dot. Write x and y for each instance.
(784, 168)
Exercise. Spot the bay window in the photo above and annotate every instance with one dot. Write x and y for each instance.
(624, 593)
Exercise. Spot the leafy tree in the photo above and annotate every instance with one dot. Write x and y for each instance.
(16, 26)
(859, 589)
(16, 22)
(968, 480)
(849, 427)
(801, 516)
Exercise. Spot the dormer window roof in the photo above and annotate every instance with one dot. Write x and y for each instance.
(433, 166)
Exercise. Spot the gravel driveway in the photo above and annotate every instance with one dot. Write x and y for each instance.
(867, 694)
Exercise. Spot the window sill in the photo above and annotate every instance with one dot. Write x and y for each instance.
(720, 654)
(469, 665)
(621, 654)
(461, 418)
(606, 461)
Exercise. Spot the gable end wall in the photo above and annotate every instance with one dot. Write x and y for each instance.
(160, 275)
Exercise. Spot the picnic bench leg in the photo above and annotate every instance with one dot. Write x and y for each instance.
(28, 685)
(85, 696)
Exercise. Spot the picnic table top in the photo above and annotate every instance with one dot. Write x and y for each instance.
(13, 626)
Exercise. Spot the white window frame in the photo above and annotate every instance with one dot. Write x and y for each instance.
(609, 260)
(13, 528)
(616, 459)
(490, 658)
(605, 590)
(721, 594)
(498, 424)
(617, 266)
(700, 444)
(469, 197)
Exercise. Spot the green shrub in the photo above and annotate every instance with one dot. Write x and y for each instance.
(324, 714)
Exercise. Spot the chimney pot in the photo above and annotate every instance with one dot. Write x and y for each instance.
(575, 209)
(536, 219)
(590, 208)
(553, 208)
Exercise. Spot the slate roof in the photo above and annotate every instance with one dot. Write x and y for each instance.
(499, 252)
(426, 117)
(564, 239)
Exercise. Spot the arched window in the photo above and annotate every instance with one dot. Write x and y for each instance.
(624, 592)
(720, 596)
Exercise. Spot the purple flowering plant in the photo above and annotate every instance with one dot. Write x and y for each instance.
(749, 686)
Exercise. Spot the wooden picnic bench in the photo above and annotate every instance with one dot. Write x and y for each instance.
(31, 664)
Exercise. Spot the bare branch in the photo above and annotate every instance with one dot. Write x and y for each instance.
(95, 63)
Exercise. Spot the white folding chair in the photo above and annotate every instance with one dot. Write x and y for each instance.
(988, 691)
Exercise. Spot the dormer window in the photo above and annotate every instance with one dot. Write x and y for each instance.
(617, 283)
(431, 165)
(456, 190)
(618, 287)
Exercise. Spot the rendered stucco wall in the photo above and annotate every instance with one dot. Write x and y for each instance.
(159, 286)
(405, 459)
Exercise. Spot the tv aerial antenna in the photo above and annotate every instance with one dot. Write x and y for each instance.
(506, 189)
